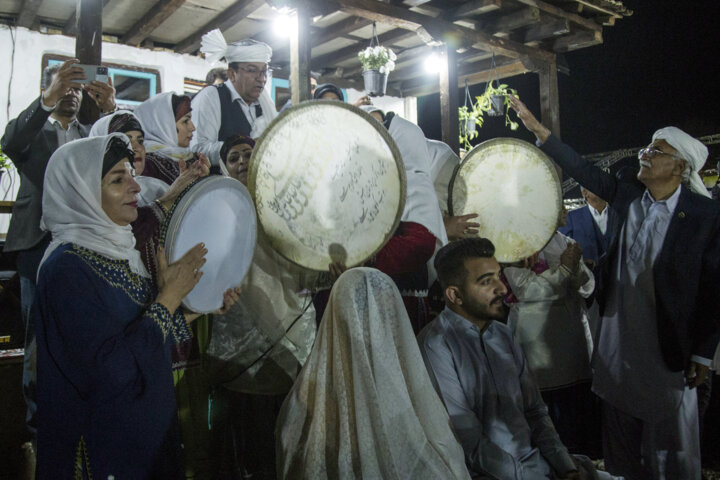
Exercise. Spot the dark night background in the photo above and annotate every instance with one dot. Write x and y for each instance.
(653, 69)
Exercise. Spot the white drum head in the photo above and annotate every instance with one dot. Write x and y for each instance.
(328, 184)
(514, 188)
(219, 212)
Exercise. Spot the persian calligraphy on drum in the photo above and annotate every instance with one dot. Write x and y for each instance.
(219, 212)
(514, 188)
(328, 184)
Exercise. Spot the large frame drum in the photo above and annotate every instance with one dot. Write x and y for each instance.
(514, 188)
(219, 212)
(328, 184)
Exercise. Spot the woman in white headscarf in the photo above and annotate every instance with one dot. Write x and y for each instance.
(167, 121)
(364, 405)
(105, 330)
(153, 181)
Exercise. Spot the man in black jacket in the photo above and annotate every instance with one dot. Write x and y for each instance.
(657, 286)
(29, 140)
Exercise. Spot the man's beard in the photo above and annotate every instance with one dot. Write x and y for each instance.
(495, 310)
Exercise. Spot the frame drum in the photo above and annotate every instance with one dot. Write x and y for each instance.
(514, 188)
(219, 212)
(328, 183)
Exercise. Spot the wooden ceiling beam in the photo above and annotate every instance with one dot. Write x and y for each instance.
(339, 29)
(438, 29)
(28, 13)
(514, 67)
(142, 29)
(513, 21)
(70, 28)
(224, 20)
(553, 28)
(560, 13)
(473, 7)
(598, 8)
(576, 41)
(332, 58)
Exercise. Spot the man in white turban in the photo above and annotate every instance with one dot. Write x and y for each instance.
(657, 335)
(240, 105)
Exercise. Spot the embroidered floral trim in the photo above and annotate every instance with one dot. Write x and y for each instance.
(82, 463)
(174, 325)
(116, 273)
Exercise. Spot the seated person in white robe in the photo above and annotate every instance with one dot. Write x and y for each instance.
(483, 378)
(363, 406)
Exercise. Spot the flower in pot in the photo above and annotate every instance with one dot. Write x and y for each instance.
(470, 121)
(4, 163)
(495, 102)
(377, 62)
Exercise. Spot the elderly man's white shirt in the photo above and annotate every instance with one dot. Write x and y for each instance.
(206, 116)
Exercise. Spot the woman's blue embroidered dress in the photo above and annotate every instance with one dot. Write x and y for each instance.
(106, 401)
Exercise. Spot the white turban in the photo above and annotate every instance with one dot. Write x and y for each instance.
(693, 151)
(215, 47)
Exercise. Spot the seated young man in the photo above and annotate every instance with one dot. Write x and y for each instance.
(482, 376)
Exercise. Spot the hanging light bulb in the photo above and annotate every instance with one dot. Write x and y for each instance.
(433, 63)
(284, 23)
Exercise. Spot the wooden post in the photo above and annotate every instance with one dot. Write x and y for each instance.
(88, 49)
(449, 100)
(550, 98)
(300, 55)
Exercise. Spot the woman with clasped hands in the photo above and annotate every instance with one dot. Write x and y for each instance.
(105, 332)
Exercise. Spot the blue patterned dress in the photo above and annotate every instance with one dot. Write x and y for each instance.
(106, 402)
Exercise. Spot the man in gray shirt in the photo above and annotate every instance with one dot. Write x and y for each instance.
(482, 376)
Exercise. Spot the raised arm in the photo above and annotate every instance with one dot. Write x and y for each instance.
(589, 176)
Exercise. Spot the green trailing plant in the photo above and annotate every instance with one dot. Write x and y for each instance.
(484, 105)
(468, 115)
(4, 161)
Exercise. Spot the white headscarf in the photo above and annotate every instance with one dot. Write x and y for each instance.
(72, 203)
(158, 121)
(691, 150)
(150, 188)
(214, 46)
(363, 405)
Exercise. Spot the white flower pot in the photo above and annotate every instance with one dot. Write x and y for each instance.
(375, 82)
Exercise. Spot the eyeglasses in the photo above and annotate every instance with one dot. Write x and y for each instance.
(256, 72)
(652, 152)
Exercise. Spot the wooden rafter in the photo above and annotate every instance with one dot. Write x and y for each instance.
(319, 36)
(224, 20)
(333, 58)
(543, 30)
(28, 13)
(512, 21)
(576, 41)
(142, 29)
(438, 29)
(473, 7)
(70, 27)
(560, 13)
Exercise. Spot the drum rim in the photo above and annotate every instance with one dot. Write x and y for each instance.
(180, 206)
(508, 140)
(380, 128)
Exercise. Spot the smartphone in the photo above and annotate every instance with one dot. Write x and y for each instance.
(93, 72)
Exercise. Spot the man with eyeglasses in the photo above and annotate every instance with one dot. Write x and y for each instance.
(661, 272)
(240, 105)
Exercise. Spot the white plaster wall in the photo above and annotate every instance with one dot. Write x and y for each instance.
(20, 78)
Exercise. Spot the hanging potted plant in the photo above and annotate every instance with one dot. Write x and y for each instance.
(469, 120)
(495, 102)
(4, 163)
(377, 62)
